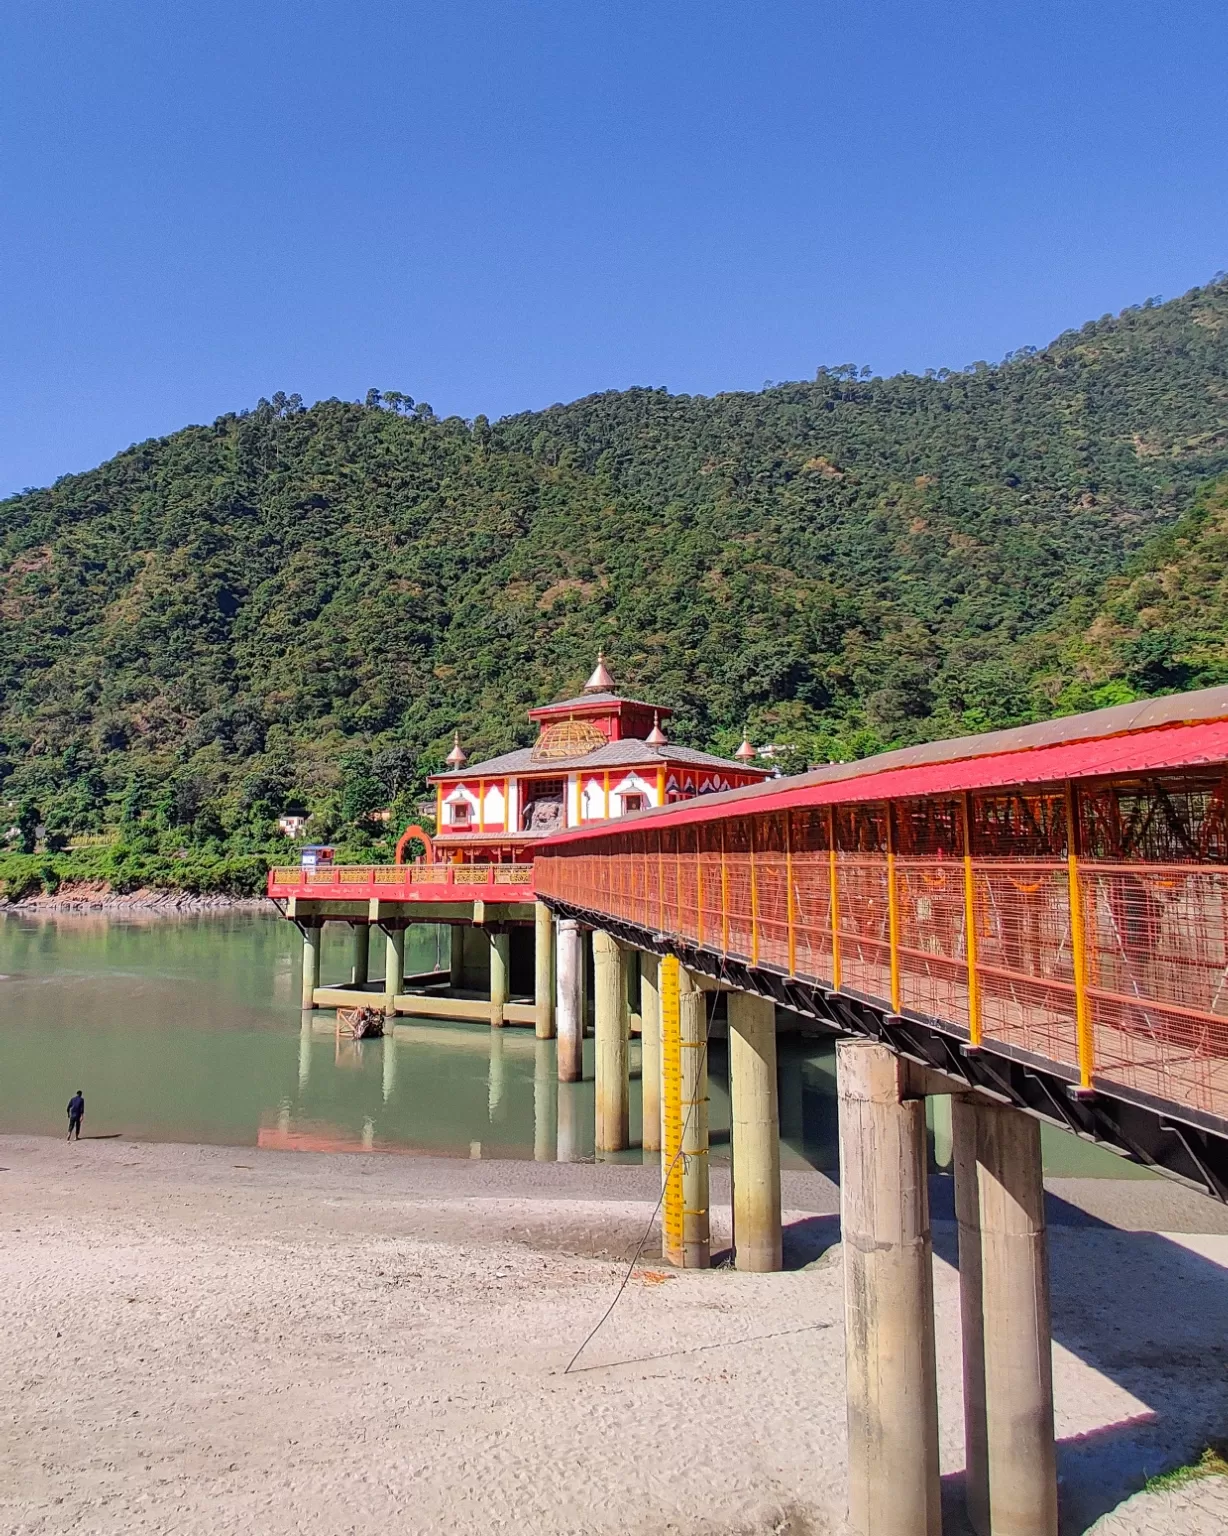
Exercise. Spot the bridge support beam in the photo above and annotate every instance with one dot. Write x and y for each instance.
(313, 932)
(1004, 1299)
(693, 1032)
(362, 954)
(613, 1085)
(888, 1297)
(650, 1051)
(755, 1132)
(394, 967)
(500, 973)
(543, 970)
(569, 1014)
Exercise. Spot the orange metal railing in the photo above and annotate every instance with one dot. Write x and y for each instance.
(1117, 971)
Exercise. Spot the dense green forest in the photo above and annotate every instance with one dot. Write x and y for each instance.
(293, 607)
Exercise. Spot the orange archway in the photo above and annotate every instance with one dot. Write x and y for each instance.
(411, 834)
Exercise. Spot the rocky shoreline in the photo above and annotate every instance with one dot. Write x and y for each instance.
(97, 896)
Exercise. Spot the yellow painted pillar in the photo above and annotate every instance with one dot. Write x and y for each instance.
(693, 1043)
(569, 1012)
(1085, 1039)
(394, 968)
(500, 970)
(755, 1133)
(650, 1051)
(1004, 1300)
(612, 1077)
(891, 1376)
(313, 932)
(543, 970)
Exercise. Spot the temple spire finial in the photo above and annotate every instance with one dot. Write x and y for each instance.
(745, 753)
(656, 737)
(458, 757)
(601, 681)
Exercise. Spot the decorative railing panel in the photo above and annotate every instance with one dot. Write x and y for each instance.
(390, 882)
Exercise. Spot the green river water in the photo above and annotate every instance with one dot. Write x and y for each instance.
(189, 1029)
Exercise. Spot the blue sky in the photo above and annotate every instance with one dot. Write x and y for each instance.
(495, 206)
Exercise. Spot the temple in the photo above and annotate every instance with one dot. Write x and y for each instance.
(596, 756)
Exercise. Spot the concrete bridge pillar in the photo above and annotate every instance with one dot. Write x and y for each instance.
(500, 974)
(755, 1132)
(394, 967)
(1004, 1299)
(362, 954)
(693, 1032)
(456, 962)
(313, 932)
(612, 1074)
(888, 1297)
(569, 1014)
(650, 1051)
(543, 960)
(304, 1052)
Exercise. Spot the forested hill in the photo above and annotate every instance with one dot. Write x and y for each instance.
(298, 605)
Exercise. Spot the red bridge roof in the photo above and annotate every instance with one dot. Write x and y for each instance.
(1179, 732)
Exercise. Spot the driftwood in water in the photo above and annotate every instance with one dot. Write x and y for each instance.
(360, 1023)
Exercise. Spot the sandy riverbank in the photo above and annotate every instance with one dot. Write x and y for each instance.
(204, 1340)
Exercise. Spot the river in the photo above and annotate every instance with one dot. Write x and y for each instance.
(189, 1029)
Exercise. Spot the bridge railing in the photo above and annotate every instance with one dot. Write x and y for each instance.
(388, 879)
(1131, 989)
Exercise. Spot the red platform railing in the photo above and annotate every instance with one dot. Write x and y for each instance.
(405, 882)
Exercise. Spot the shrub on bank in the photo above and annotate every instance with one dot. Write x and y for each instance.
(126, 869)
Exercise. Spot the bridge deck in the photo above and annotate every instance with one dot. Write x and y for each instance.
(1074, 925)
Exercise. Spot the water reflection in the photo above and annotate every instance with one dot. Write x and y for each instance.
(189, 1029)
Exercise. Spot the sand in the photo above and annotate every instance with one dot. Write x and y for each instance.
(208, 1340)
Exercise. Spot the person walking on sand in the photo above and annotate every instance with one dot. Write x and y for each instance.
(76, 1111)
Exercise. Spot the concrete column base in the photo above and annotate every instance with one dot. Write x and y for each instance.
(500, 974)
(456, 961)
(569, 1011)
(543, 970)
(313, 932)
(361, 971)
(1004, 1302)
(696, 1216)
(394, 967)
(755, 1132)
(892, 1393)
(612, 1074)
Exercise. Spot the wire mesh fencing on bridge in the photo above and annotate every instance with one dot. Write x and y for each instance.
(1106, 953)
